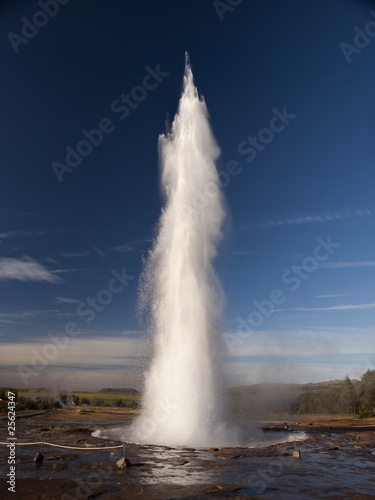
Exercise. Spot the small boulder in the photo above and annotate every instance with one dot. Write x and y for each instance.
(38, 457)
(123, 462)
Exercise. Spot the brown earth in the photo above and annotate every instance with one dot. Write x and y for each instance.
(77, 414)
(337, 461)
(331, 421)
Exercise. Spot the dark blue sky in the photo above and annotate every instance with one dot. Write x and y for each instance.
(311, 177)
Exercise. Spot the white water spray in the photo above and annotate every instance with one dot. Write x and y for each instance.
(183, 397)
(182, 402)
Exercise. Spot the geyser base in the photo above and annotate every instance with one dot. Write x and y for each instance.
(224, 436)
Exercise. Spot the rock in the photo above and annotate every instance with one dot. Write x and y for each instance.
(38, 457)
(123, 462)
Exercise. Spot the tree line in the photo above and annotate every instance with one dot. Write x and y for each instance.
(355, 397)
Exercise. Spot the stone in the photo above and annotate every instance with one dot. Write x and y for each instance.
(123, 462)
(38, 457)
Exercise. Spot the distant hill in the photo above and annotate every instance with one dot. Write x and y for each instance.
(125, 390)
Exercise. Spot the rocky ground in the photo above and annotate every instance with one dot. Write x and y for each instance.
(335, 461)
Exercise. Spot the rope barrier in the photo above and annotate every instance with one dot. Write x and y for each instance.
(66, 447)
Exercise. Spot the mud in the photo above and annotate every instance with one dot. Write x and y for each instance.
(337, 461)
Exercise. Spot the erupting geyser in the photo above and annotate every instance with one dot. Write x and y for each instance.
(182, 402)
(182, 298)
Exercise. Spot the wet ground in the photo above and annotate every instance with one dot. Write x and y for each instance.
(335, 461)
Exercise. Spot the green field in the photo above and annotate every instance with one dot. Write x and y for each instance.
(109, 398)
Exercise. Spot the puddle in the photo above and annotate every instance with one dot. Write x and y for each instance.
(115, 489)
(329, 463)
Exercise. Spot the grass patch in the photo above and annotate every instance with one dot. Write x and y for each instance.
(110, 398)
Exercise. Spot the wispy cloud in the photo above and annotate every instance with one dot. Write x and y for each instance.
(27, 314)
(334, 295)
(88, 351)
(21, 234)
(16, 212)
(132, 246)
(65, 300)
(99, 252)
(313, 219)
(51, 260)
(75, 254)
(26, 269)
(72, 270)
(123, 248)
(238, 252)
(346, 307)
(346, 265)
